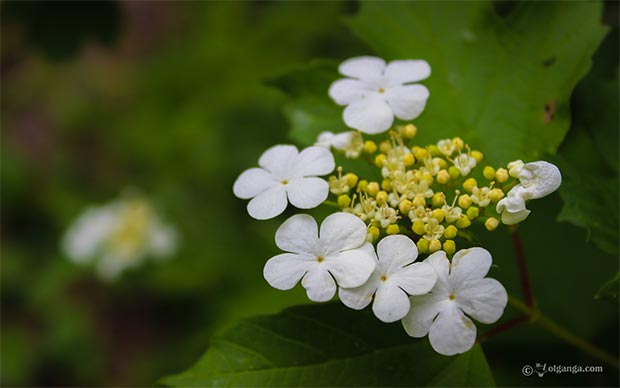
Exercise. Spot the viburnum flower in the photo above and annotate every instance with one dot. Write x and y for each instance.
(350, 142)
(395, 277)
(376, 92)
(461, 288)
(339, 253)
(537, 180)
(285, 174)
(118, 236)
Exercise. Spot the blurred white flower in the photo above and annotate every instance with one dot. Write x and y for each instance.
(338, 254)
(118, 236)
(285, 174)
(395, 277)
(376, 92)
(350, 142)
(537, 180)
(461, 288)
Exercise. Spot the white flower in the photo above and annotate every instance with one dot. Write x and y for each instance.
(285, 172)
(350, 142)
(118, 236)
(464, 163)
(393, 278)
(376, 92)
(537, 180)
(461, 289)
(339, 252)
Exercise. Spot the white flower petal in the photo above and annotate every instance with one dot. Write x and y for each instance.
(509, 218)
(324, 139)
(278, 160)
(440, 263)
(298, 234)
(540, 178)
(307, 193)
(469, 264)
(370, 115)
(452, 332)
(345, 91)
(362, 67)
(269, 203)
(313, 161)
(351, 268)
(395, 252)
(483, 299)
(342, 231)
(343, 140)
(423, 310)
(416, 279)
(285, 270)
(252, 182)
(391, 303)
(319, 285)
(401, 72)
(359, 297)
(408, 101)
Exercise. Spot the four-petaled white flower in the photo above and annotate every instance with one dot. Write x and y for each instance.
(339, 252)
(376, 92)
(537, 180)
(285, 172)
(395, 276)
(461, 288)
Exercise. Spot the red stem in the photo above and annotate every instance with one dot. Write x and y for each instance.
(503, 327)
(526, 285)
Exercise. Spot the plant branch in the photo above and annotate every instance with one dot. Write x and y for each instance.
(526, 284)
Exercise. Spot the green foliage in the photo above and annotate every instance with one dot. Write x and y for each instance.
(328, 346)
(609, 291)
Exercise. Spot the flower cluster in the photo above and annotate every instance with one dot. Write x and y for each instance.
(119, 235)
(421, 199)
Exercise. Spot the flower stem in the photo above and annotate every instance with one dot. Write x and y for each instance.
(536, 317)
(526, 284)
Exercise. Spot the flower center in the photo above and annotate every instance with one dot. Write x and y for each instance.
(284, 181)
(320, 259)
(381, 90)
(384, 278)
(452, 297)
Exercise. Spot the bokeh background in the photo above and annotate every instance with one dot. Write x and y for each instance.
(174, 98)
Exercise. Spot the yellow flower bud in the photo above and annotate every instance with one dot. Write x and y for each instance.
(496, 195)
(454, 172)
(458, 143)
(501, 175)
(382, 197)
(489, 173)
(418, 227)
(372, 189)
(392, 229)
(438, 200)
(443, 177)
(463, 223)
(491, 224)
(386, 185)
(434, 246)
(428, 177)
(465, 201)
(450, 231)
(374, 232)
(344, 200)
(421, 153)
(438, 214)
(422, 245)
(469, 184)
(418, 200)
(408, 131)
(477, 155)
(370, 147)
(351, 179)
(442, 163)
(362, 185)
(385, 146)
(449, 246)
(379, 159)
(473, 212)
(404, 206)
(434, 150)
(409, 160)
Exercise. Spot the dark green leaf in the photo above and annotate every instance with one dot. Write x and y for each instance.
(609, 290)
(328, 345)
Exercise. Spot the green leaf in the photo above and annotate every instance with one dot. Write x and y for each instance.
(503, 84)
(609, 290)
(328, 345)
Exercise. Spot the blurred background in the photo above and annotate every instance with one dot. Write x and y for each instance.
(172, 98)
